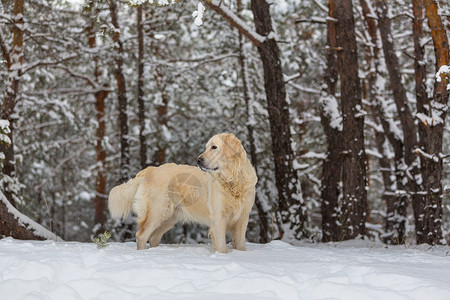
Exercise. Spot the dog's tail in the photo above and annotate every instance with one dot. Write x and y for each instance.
(120, 200)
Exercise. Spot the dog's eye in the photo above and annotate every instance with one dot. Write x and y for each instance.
(213, 147)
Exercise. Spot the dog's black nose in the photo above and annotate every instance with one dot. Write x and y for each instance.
(200, 161)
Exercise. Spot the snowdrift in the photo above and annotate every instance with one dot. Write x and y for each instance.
(354, 270)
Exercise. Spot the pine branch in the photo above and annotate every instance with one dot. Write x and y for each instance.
(31, 66)
(235, 21)
(5, 51)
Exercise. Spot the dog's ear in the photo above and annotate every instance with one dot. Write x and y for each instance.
(232, 147)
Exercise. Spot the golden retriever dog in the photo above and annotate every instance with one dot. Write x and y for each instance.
(219, 194)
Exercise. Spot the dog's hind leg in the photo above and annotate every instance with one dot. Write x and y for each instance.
(156, 235)
(144, 232)
(147, 226)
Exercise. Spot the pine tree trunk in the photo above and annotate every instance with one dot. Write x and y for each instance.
(12, 90)
(431, 141)
(100, 200)
(396, 202)
(332, 165)
(159, 157)
(410, 164)
(12, 223)
(263, 222)
(122, 96)
(406, 162)
(140, 90)
(291, 204)
(392, 64)
(18, 226)
(353, 216)
(11, 226)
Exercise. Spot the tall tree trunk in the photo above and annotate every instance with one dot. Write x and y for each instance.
(122, 95)
(291, 204)
(332, 165)
(140, 89)
(392, 64)
(396, 202)
(433, 119)
(263, 222)
(100, 200)
(14, 63)
(422, 101)
(353, 216)
(408, 169)
(159, 157)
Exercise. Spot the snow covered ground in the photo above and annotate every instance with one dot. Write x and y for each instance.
(352, 270)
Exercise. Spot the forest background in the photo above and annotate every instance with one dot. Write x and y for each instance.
(338, 105)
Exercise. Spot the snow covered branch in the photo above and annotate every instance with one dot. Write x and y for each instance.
(444, 72)
(205, 58)
(31, 66)
(5, 50)
(426, 155)
(235, 21)
(76, 75)
(25, 223)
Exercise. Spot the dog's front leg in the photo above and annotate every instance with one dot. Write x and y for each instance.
(238, 233)
(240, 227)
(218, 232)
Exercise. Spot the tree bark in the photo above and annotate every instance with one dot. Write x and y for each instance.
(263, 222)
(291, 204)
(122, 96)
(407, 168)
(396, 202)
(422, 101)
(332, 165)
(140, 90)
(11, 226)
(353, 216)
(401, 101)
(100, 200)
(430, 210)
(18, 226)
(9, 101)
(159, 157)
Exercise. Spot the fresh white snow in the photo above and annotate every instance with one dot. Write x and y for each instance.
(351, 270)
(198, 14)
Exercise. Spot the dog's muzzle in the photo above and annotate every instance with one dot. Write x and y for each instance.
(201, 165)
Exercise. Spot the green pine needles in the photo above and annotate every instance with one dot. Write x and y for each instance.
(102, 240)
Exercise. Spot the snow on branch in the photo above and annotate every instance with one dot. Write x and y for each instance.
(330, 108)
(321, 6)
(426, 155)
(88, 80)
(438, 110)
(4, 131)
(198, 14)
(5, 50)
(303, 88)
(235, 21)
(314, 155)
(444, 72)
(37, 229)
(313, 20)
(288, 78)
(33, 65)
(205, 58)
(158, 2)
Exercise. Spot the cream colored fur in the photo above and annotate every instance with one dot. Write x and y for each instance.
(220, 197)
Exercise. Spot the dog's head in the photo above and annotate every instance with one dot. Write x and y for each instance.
(223, 151)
